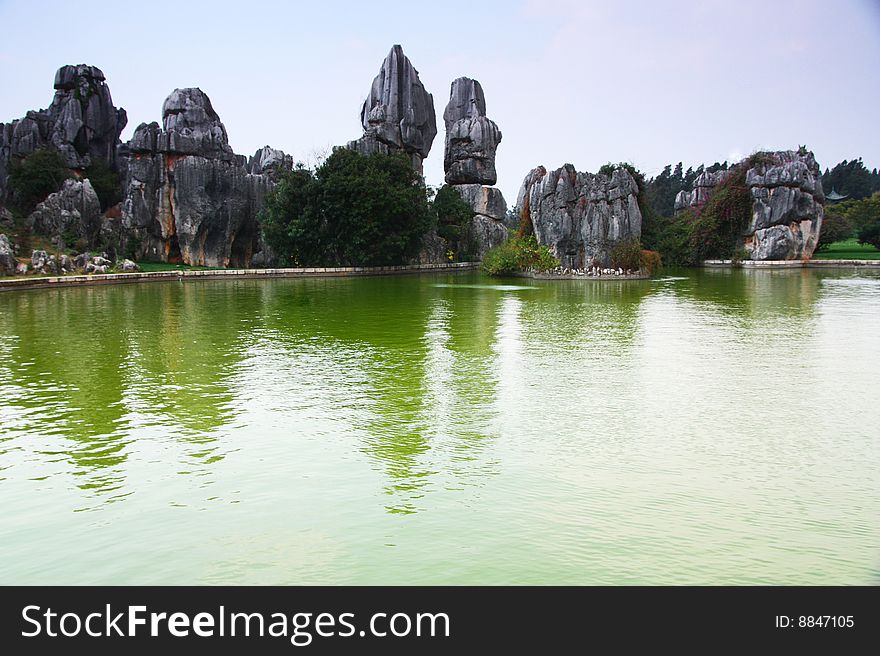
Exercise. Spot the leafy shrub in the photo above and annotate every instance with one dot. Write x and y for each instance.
(453, 216)
(518, 254)
(354, 210)
(34, 177)
(649, 261)
(835, 227)
(870, 235)
(717, 227)
(627, 255)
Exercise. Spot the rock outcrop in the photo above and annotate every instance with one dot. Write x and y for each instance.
(398, 115)
(580, 217)
(82, 124)
(471, 138)
(269, 161)
(787, 203)
(188, 198)
(72, 212)
(8, 263)
(487, 227)
(469, 162)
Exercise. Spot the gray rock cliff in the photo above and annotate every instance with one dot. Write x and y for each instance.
(74, 210)
(469, 162)
(787, 204)
(81, 123)
(580, 217)
(8, 263)
(471, 138)
(187, 196)
(398, 114)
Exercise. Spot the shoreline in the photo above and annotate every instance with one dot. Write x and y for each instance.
(573, 276)
(77, 280)
(793, 264)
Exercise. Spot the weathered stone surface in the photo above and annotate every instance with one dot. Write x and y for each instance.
(21, 269)
(487, 227)
(487, 233)
(81, 123)
(581, 216)
(787, 204)
(65, 263)
(471, 138)
(6, 218)
(43, 263)
(8, 263)
(399, 112)
(188, 197)
(127, 266)
(74, 210)
(433, 250)
(703, 186)
(488, 201)
(192, 127)
(269, 161)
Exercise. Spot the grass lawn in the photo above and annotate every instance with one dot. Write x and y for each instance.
(850, 249)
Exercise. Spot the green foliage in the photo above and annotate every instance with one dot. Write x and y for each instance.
(453, 217)
(671, 237)
(859, 213)
(106, 182)
(521, 253)
(34, 177)
(836, 226)
(851, 179)
(627, 255)
(870, 235)
(649, 261)
(717, 227)
(352, 211)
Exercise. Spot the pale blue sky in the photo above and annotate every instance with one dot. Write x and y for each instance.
(566, 81)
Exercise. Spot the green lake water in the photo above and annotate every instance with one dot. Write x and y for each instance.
(704, 427)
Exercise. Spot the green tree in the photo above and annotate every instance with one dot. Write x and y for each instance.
(290, 219)
(34, 177)
(851, 178)
(106, 182)
(835, 227)
(870, 235)
(354, 210)
(453, 217)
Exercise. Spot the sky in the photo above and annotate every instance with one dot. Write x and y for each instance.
(581, 82)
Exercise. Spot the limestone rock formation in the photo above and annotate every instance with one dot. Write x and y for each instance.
(581, 216)
(703, 186)
(43, 263)
(469, 162)
(269, 161)
(398, 115)
(787, 204)
(73, 211)
(471, 138)
(81, 123)
(187, 196)
(8, 263)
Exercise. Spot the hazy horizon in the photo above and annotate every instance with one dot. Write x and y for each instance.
(585, 82)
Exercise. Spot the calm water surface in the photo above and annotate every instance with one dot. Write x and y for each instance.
(707, 427)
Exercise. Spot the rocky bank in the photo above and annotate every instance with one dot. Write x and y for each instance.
(580, 217)
(787, 203)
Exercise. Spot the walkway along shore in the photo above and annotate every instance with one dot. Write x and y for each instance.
(795, 264)
(25, 282)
